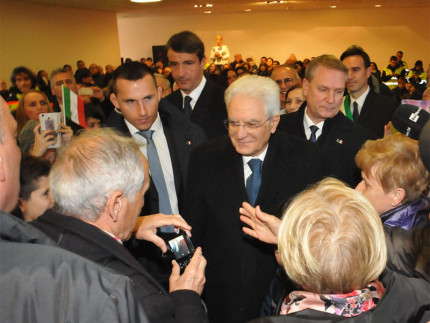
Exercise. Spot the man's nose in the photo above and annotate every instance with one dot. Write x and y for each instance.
(330, 97)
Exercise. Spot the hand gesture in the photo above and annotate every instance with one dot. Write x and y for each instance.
(263, 226)
(42, 141)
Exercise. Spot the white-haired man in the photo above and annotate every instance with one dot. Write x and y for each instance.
(256, 164)
(35, 271)
(99, 183)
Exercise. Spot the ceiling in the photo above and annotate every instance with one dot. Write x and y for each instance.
(187, 7)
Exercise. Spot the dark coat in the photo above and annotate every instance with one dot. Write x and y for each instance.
(209, 112)
(340, 141)
(92, 243)
(376, 112)
(240, 268)
(40, 282)
(182, 136)
(404, 300)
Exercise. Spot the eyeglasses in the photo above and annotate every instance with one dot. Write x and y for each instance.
(230, 124)
(286, 81)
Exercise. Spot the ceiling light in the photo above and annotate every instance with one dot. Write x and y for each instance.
(208, 12)
(333, 7)
(378, 5)
(248, 10)
(196, 6)
(209, 5)
(145, 1)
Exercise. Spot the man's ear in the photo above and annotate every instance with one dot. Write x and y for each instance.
(114, 100)
(160, 92)
(203, 62)
(116, 205)
(397, 196)
(305, 87)
(22, 204)
(275, 122)
(2, 175)
(368, 71)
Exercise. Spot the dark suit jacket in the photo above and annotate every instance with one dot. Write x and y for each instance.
(209, 111)
(340, 141)
(182, 136)
(240, 268)
(376, 112)
(92, 243)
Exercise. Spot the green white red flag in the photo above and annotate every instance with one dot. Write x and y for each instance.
(73, 107)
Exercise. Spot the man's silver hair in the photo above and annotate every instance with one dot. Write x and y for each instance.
(91, 168)
(58, 71)
(163, 79)
(260, 87)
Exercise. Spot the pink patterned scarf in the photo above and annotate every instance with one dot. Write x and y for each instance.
(348, 305)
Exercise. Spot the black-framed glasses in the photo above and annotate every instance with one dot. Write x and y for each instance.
(231, 124)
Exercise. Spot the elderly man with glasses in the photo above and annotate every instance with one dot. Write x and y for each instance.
(257, 164)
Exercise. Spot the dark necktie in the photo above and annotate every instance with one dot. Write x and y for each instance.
(157, 173)
(313, 136)
(187, 106)
(253, 182)
(355, 112)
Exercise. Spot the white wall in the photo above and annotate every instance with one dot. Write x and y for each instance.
(381, 32)
(47, 37)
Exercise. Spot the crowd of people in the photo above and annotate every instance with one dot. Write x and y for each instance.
(304, 187)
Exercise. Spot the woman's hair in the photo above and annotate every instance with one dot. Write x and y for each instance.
(295, 86)
(331, 239)
(21, 117)
(32, 168)
(398, 165)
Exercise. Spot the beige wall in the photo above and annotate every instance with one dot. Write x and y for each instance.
(306, 33)
(47, 37)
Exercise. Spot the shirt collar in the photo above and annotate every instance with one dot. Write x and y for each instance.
(156, 126)
(307, 122)
(362, 98)
(246, 159)
(195, 94)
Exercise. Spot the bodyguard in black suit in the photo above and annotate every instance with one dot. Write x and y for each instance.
(222, 176)
(99, 183)
(137, 97)
(340, 141)
(320, 121)
(201, 100)
(363, 105)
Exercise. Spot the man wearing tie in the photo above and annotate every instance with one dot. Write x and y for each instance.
(166, 139)
(256, 164)
(201, 100)
(320, 121)
(363, 105)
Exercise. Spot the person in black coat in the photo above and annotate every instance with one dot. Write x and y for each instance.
(339, 138)
(220, 180)
(185, 52)
(99, 183)
(140, 107)
(363, 105)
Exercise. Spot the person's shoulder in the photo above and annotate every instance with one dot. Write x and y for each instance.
(215, 148)
(292, 145)
(343, 125)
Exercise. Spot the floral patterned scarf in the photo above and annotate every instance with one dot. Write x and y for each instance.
(348, 305)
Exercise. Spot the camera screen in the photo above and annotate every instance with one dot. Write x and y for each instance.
(179, 247)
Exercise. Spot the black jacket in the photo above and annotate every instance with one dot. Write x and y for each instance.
(92, 243)
(40, 282)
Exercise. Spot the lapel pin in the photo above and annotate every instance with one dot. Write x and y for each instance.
(339, 141)
(188, 143)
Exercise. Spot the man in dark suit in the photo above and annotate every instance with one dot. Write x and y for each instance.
(138, 99)
(201, 100)
(320, 121)
(254, 164)
(363, 105)
(99, 183)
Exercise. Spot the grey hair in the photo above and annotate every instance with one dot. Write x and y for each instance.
(260, 87)
(163, 80)
(91, 168)
(328, 61)
(59, 71)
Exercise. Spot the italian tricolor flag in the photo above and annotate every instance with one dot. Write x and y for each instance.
(73, 107)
